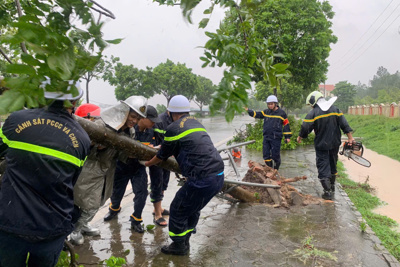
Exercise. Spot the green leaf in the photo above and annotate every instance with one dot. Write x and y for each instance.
(20, 69)
(115, 41)
(150, 227)
(203, 23)
(17, 104)
(28, 59)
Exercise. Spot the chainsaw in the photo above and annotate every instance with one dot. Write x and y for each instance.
(355, 151)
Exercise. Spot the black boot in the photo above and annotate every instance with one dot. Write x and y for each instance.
(176, 248)
(333, 179)
(326, 184)
(111, 214)
(269, 163)
(136, 225)
(187, 240)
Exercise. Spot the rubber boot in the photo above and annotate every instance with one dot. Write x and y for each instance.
(333, 179)
(76, 238)
(87, 229)
(326, 184)
(86, 217)
(176, 248)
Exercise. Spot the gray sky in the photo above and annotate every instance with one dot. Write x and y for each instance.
(153, 33)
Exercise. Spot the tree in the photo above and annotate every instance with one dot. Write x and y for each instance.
(130, 81)
(174, 79)
(345, 93)
(289, 94)
(99, 71)
(204, 91)
(52, 38)
(298, 30)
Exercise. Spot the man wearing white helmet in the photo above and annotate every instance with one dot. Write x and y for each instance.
(95, 184)
(275, 119)
(45, 149)
(326, 120)
(200, 163)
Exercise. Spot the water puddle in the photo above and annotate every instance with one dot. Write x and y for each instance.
(383, 176)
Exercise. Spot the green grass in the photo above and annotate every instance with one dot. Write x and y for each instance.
(380, 134)
(365, 202)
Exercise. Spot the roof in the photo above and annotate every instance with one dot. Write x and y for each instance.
(328, 87)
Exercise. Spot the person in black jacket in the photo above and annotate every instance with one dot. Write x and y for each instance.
(326, 120)
(45, 151)
(274, 120)
(187, 140)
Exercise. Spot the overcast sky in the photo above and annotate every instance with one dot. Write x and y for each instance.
(367, 37)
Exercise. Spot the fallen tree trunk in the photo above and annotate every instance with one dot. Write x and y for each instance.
(108, 137)
(105, 136)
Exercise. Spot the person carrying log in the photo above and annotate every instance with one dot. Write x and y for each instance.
(200, 163)
(45, 149)
(326, 120)
(95, 184)
(136, 173)
(275, 119)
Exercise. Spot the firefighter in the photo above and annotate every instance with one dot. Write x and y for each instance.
(136, 173)
(45, 151)
(326, 120)
(274, 120)
(187, 140)
(95, 184)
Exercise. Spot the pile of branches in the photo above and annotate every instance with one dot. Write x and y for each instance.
(285, 196)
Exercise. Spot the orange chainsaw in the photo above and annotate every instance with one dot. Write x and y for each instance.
(355, 151)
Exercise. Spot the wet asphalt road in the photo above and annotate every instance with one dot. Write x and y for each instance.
(245, 234)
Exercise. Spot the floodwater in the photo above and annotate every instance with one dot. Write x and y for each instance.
(383, 176)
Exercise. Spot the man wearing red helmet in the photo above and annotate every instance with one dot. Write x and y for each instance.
(95, 184)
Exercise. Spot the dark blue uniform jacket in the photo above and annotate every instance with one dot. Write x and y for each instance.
(326, 125)
(161, 127)
(274, 121)
(45, 153)
(188, 141)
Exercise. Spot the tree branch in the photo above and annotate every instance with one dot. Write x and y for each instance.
(23, 47)
(103, 10)
(5, 56)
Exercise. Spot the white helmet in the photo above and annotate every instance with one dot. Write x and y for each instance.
(179, 103)
(272, 99)
(138, 104)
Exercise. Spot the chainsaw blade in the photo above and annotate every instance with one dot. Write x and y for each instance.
(360, 160)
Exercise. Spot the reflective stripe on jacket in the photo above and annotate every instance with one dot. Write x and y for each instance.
(188, 141)
(326, 125)
(274, 122)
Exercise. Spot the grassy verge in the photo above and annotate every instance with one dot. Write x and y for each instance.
(379, 133)
(365, 202)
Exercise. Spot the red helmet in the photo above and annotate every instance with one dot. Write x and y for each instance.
(87, 110)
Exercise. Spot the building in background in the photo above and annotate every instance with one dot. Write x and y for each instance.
(326, 89)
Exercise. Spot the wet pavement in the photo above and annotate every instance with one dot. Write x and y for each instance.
(244, 234)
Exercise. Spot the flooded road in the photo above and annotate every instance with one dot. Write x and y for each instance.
(383, 176)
